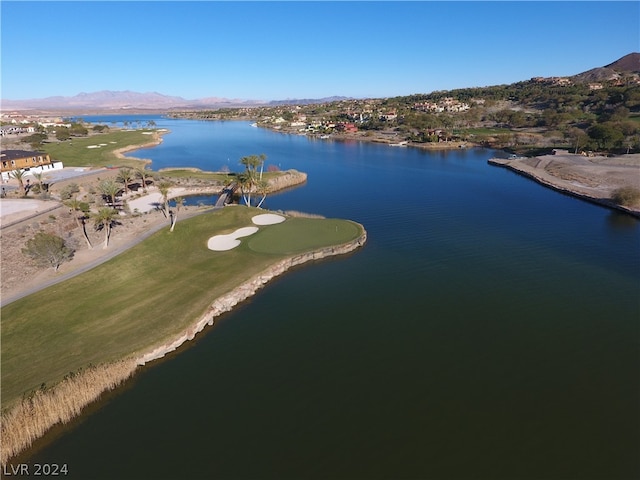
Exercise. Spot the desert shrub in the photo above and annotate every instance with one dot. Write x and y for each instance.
(48, 250)
(626, 196)
(69, 191)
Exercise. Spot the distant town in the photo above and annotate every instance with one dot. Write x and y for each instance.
(595, 111)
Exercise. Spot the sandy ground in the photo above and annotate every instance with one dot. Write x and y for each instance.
(153, 199)
(594, 178)
(221, 243)
(268, 219)
(12, 210)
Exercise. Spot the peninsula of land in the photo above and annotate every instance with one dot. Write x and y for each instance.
(140, 305)
(597, 179)
(111, 310)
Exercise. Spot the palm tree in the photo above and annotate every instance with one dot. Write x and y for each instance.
(125, 176)
(249, 178)
(263, 189)
(179, 203)
(19, 176)
(75, 205)
(262, 159)
(164, 187)
(251, 163)
(39, 176)
(245, 180)
(141, 173)
(105, 219)
(109, 189)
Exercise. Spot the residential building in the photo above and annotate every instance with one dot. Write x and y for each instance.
(31, 162)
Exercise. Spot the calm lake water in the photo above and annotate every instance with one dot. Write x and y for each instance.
(489, 329)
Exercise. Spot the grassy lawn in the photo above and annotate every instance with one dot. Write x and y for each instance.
(75, 152)
(145, 295)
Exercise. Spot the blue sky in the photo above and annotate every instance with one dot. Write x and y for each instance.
(277, 50)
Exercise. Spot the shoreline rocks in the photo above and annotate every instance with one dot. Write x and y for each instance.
(247, 289)
(34, 413)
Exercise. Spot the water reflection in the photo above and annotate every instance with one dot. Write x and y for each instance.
(619, 221)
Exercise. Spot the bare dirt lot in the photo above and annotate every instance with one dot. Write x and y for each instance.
(594, 178)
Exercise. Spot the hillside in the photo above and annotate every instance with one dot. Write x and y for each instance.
(625, 66)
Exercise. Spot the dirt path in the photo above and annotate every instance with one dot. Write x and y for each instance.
(85, 259)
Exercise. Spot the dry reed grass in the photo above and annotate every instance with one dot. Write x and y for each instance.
(295, 213)
(44, 408)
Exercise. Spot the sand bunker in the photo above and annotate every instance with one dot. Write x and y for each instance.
(221, 243)
(268, 219)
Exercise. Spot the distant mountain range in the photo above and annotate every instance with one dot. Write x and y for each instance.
(127, 100)
(123, 100)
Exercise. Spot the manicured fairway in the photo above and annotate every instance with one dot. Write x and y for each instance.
(145, 295)
(97, 150)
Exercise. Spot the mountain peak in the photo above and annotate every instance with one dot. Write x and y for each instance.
(628, 63)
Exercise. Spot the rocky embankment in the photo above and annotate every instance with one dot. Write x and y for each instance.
(226, 302)
(36, 414)
(286, 179)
